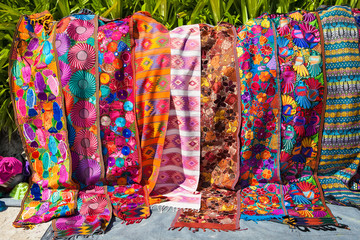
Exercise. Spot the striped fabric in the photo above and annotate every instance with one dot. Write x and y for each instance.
(341, 137)
(180, 165)
(152, 75)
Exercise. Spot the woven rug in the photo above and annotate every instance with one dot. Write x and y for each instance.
(76, 44)
(38, 106)
(180, 165)
(220, 108)
(340, 153)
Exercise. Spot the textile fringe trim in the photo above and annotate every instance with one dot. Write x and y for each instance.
(165, 209)
(128, 222)
(261, 218)
(194, 230)
(73, 237)
(326, 227)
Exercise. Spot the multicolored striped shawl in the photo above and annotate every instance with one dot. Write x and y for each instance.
(340, 153)
(38, 106)
(220, 127)
(76, 44)
(180, 165)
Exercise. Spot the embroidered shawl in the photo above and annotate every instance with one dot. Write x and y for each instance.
(340, 153)
(299, 99)
(261, 193)
(76, 43)
(220, 128)
(180, 164)
(119, 134)
(39, 115)
(152, 74)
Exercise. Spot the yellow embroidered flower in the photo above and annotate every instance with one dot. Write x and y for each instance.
(249, 75)
(249, 134)
(265, 23)
(240, 51)
(250, 22)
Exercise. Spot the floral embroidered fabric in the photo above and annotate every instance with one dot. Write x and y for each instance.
(75, 44)
(120, 141)
(38, 105)
(298, 52)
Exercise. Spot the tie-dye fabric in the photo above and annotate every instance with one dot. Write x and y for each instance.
(180, 165)
(340, 153)
(76, 43)
(152, 101)
(39, 114)
(220, 126)
(119, 134)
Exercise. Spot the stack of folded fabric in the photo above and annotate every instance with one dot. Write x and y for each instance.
(258, 123)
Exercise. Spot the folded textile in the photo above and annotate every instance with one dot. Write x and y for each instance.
(9, 167)
(220, 126)
(76, 44)
(38, 106)
(340, 150)
(180, 164)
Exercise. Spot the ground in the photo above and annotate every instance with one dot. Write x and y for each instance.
(8, 232)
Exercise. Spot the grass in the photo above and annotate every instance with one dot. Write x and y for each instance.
(172, 13)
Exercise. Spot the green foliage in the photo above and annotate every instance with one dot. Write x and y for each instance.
(171, 13)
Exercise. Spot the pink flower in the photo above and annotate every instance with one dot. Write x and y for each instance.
(130, 117)
(116, 36)
(109, 57)
(9, 167)
(124, 29)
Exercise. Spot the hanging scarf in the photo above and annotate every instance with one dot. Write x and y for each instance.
(220, 128)
(38, 107)
(120, 139)
(340, 153)
(76, 43)
(301, 94)
(152, 74)
(180, 164)
(261, 193)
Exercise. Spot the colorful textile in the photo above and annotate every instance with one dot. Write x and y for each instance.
(220, 108)
(152, 74)
(76, 43)
(9, 167)
(38, 105)
(119, 134)
(261, 192)
(293, 138)
(180, 165)
(340, 153)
